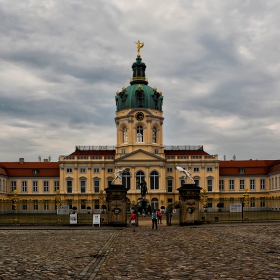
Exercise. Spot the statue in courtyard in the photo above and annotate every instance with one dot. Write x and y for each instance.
(143, 187)
(118, 174)
(187, 173)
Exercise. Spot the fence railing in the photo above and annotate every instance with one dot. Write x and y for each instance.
(31, 212)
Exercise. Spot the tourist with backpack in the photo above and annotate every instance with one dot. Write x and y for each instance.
(154, 219)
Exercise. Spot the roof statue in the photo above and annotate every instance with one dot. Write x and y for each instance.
(139, 46)
(187, 173)
(118, 174)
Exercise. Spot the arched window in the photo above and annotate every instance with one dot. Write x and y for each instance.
(126, 179)
(154, 179)
(125, 135)
(140, 177)
(154, 204)
(154, 135)
(139, 135)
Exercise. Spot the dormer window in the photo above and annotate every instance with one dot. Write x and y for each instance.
(241, 170)
(35, 171)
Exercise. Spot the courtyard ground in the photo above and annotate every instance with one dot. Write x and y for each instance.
(209, 251)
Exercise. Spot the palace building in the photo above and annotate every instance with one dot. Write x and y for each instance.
(82, 176)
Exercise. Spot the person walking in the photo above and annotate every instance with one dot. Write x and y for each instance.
(159, 216)
(154, 219)
(132, 220)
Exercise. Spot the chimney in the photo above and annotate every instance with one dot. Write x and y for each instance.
(46, 160)
(21, 160)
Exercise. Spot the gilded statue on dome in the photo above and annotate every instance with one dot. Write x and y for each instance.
(139, 46)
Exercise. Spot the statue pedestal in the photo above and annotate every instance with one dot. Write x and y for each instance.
(189, 203)
(116, 198)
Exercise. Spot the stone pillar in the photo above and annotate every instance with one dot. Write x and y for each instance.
(189, 204)
(116, 199)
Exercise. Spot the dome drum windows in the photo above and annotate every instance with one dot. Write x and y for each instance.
(139, 134)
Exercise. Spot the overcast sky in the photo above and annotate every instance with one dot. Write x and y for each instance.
(217, 64)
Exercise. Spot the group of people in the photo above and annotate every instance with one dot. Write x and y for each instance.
(156, 219)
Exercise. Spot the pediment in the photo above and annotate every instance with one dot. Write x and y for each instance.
(140, 155)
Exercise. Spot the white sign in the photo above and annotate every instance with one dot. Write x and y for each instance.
(96, 219)
(73, 219)
(63, 210)
(235, 207)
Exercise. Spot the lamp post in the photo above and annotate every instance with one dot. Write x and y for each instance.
(15, 203)
(245, 201)
(57, 202)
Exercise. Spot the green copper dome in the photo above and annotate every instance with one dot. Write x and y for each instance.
(139, 94)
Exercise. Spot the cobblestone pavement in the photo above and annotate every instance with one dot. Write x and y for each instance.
(240, 251)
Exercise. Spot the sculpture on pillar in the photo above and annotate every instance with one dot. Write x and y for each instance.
(187, 173)
(118, 174)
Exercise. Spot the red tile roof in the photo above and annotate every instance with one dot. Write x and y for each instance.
(93, 153)
(16, 169)
(275, 167)
(251, 167)
(185, 152)
(3, 171)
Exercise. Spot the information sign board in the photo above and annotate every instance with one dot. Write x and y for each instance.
(96, 219)
(63, 210)
(73, 219)
(235, 207)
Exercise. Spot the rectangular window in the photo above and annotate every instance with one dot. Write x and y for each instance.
(96, 185)
(83, 204)
(56, 186)
(83, 186)
(169, 200)
(196, 181)
(252, 184)
(210, 185)
(68, 170)
(24, 205)
(276, 183)
(46, 186)
(69, 186)
(252, 202)
(14, 185)
(209, 169)
(262, 184)
(209, 203)
(182, 182)
(96, 204)
(123, 151)
(35, 186)
(196, 169)
(262, 202)
(46, 205)
(95, 170)
(82, 170)
(24, 186)
(110, 170)
(35, 205)
(221, 185)
(231, 185)
(169, 169)
(109, 183)
(169, 185)
(241, 184)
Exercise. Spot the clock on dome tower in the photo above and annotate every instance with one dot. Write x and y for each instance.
(139, 113)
